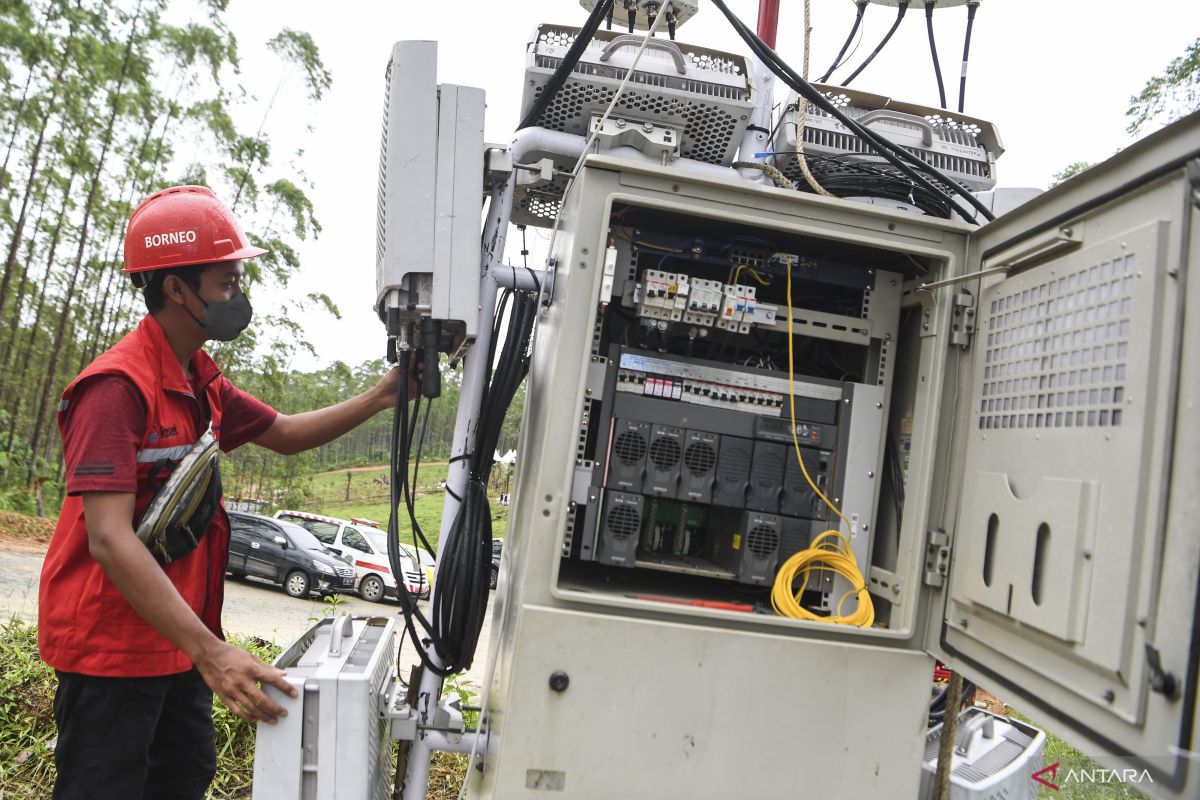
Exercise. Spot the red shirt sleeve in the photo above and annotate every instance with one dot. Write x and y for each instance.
(102, 431)
(243, 417)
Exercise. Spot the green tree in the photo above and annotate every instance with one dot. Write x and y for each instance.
(1170, 95)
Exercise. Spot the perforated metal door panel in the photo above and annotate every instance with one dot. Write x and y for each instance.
(1074, 553)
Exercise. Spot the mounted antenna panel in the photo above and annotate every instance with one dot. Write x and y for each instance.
(430, 167)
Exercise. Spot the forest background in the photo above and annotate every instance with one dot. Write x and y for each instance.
(101, 103)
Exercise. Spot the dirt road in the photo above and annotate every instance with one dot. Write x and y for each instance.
(251, 608)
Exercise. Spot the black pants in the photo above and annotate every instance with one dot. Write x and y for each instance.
(131, 738)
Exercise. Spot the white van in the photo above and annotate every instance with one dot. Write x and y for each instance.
(366, 547)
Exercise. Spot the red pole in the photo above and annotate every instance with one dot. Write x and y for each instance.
(768, 21)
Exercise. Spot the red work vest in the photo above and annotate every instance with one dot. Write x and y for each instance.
(85, 624)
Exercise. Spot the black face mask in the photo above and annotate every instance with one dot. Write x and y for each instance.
(223, 320)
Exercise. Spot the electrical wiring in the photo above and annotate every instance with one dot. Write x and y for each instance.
(937, 67)
(828, 552)
(398, 490)
(898, 156)
(887, 37)
(972, 7)
(736, 275)
(837, 62)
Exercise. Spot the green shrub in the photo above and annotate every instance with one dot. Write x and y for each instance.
(27, 721)
(18, 500)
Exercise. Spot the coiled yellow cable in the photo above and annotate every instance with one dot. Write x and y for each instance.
(829, 552)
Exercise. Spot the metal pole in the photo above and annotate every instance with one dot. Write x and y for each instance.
(768, 21)
(756, 138)
(416, 778)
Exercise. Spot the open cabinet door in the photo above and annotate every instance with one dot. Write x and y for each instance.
(1075, 552)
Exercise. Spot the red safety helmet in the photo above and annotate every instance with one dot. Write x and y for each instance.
(181, 226)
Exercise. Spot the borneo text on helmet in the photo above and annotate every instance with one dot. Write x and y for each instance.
(175, 237)
(181, 226)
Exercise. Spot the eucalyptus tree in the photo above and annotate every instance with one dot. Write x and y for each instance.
(28, 43)
(131, 61)
(42, 109)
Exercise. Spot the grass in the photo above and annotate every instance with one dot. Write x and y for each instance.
(1069, 758)
(27, 721)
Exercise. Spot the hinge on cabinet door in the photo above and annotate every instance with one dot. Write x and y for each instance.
(962, 319)
(937, 558)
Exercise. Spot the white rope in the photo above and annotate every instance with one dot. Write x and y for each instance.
(802, 111)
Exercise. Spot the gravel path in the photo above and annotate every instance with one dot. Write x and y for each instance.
(252, 608)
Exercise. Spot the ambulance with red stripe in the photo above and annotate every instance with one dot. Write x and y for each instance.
(365, 546)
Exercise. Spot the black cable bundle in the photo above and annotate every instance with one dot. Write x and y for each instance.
(846, 179)
(459, 605)
(837, 62)
(879, 47)
(887, 149)
(467, 555)
(403, 429)
(972, 7)
(602, 10)
(937, 66)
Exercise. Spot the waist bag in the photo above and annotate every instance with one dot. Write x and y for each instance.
(183, 507)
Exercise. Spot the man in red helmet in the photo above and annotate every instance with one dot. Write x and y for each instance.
(135, 634)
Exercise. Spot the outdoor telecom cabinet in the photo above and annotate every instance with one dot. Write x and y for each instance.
(1046, 404)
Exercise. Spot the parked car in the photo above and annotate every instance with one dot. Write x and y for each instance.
(497, 547)
(285, 554)
(366, 548)
(425, 559)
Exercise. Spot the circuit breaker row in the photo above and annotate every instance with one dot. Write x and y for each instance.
(678, 297)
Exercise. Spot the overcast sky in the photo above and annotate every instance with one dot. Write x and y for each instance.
(1054, 75)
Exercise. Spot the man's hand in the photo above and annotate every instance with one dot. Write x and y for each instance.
(235, 676)
(385, 391)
